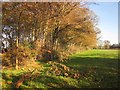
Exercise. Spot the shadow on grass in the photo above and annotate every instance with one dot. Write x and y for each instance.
(42, 81)
(104, 69)
(87, 62)
(49, 82)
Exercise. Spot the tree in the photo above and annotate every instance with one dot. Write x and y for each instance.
(57, 26)
(106, 44)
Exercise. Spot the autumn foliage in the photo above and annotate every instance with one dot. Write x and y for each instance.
(24, 54)
(50, 29)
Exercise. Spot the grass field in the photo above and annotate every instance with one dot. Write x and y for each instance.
(98, 69)
(103, 65)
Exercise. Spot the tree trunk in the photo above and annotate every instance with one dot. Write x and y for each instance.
(33, 35)
(17, 41)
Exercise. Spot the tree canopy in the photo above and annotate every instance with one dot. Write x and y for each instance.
(53, 29)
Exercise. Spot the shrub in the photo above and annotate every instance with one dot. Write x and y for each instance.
(24, 55)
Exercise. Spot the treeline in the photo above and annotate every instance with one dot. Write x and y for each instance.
(107, 45)
(46, 30)
(113, 46)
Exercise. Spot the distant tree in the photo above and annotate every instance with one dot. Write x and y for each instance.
(106, 44)
(113, 46)
(100, 44)
(118, 45)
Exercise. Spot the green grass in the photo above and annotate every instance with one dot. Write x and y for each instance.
(98, 68)
(96, 58)
(103, 63)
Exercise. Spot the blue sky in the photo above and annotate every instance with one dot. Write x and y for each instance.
(107, 13)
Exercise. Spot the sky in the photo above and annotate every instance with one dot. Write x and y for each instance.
(107, 13)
